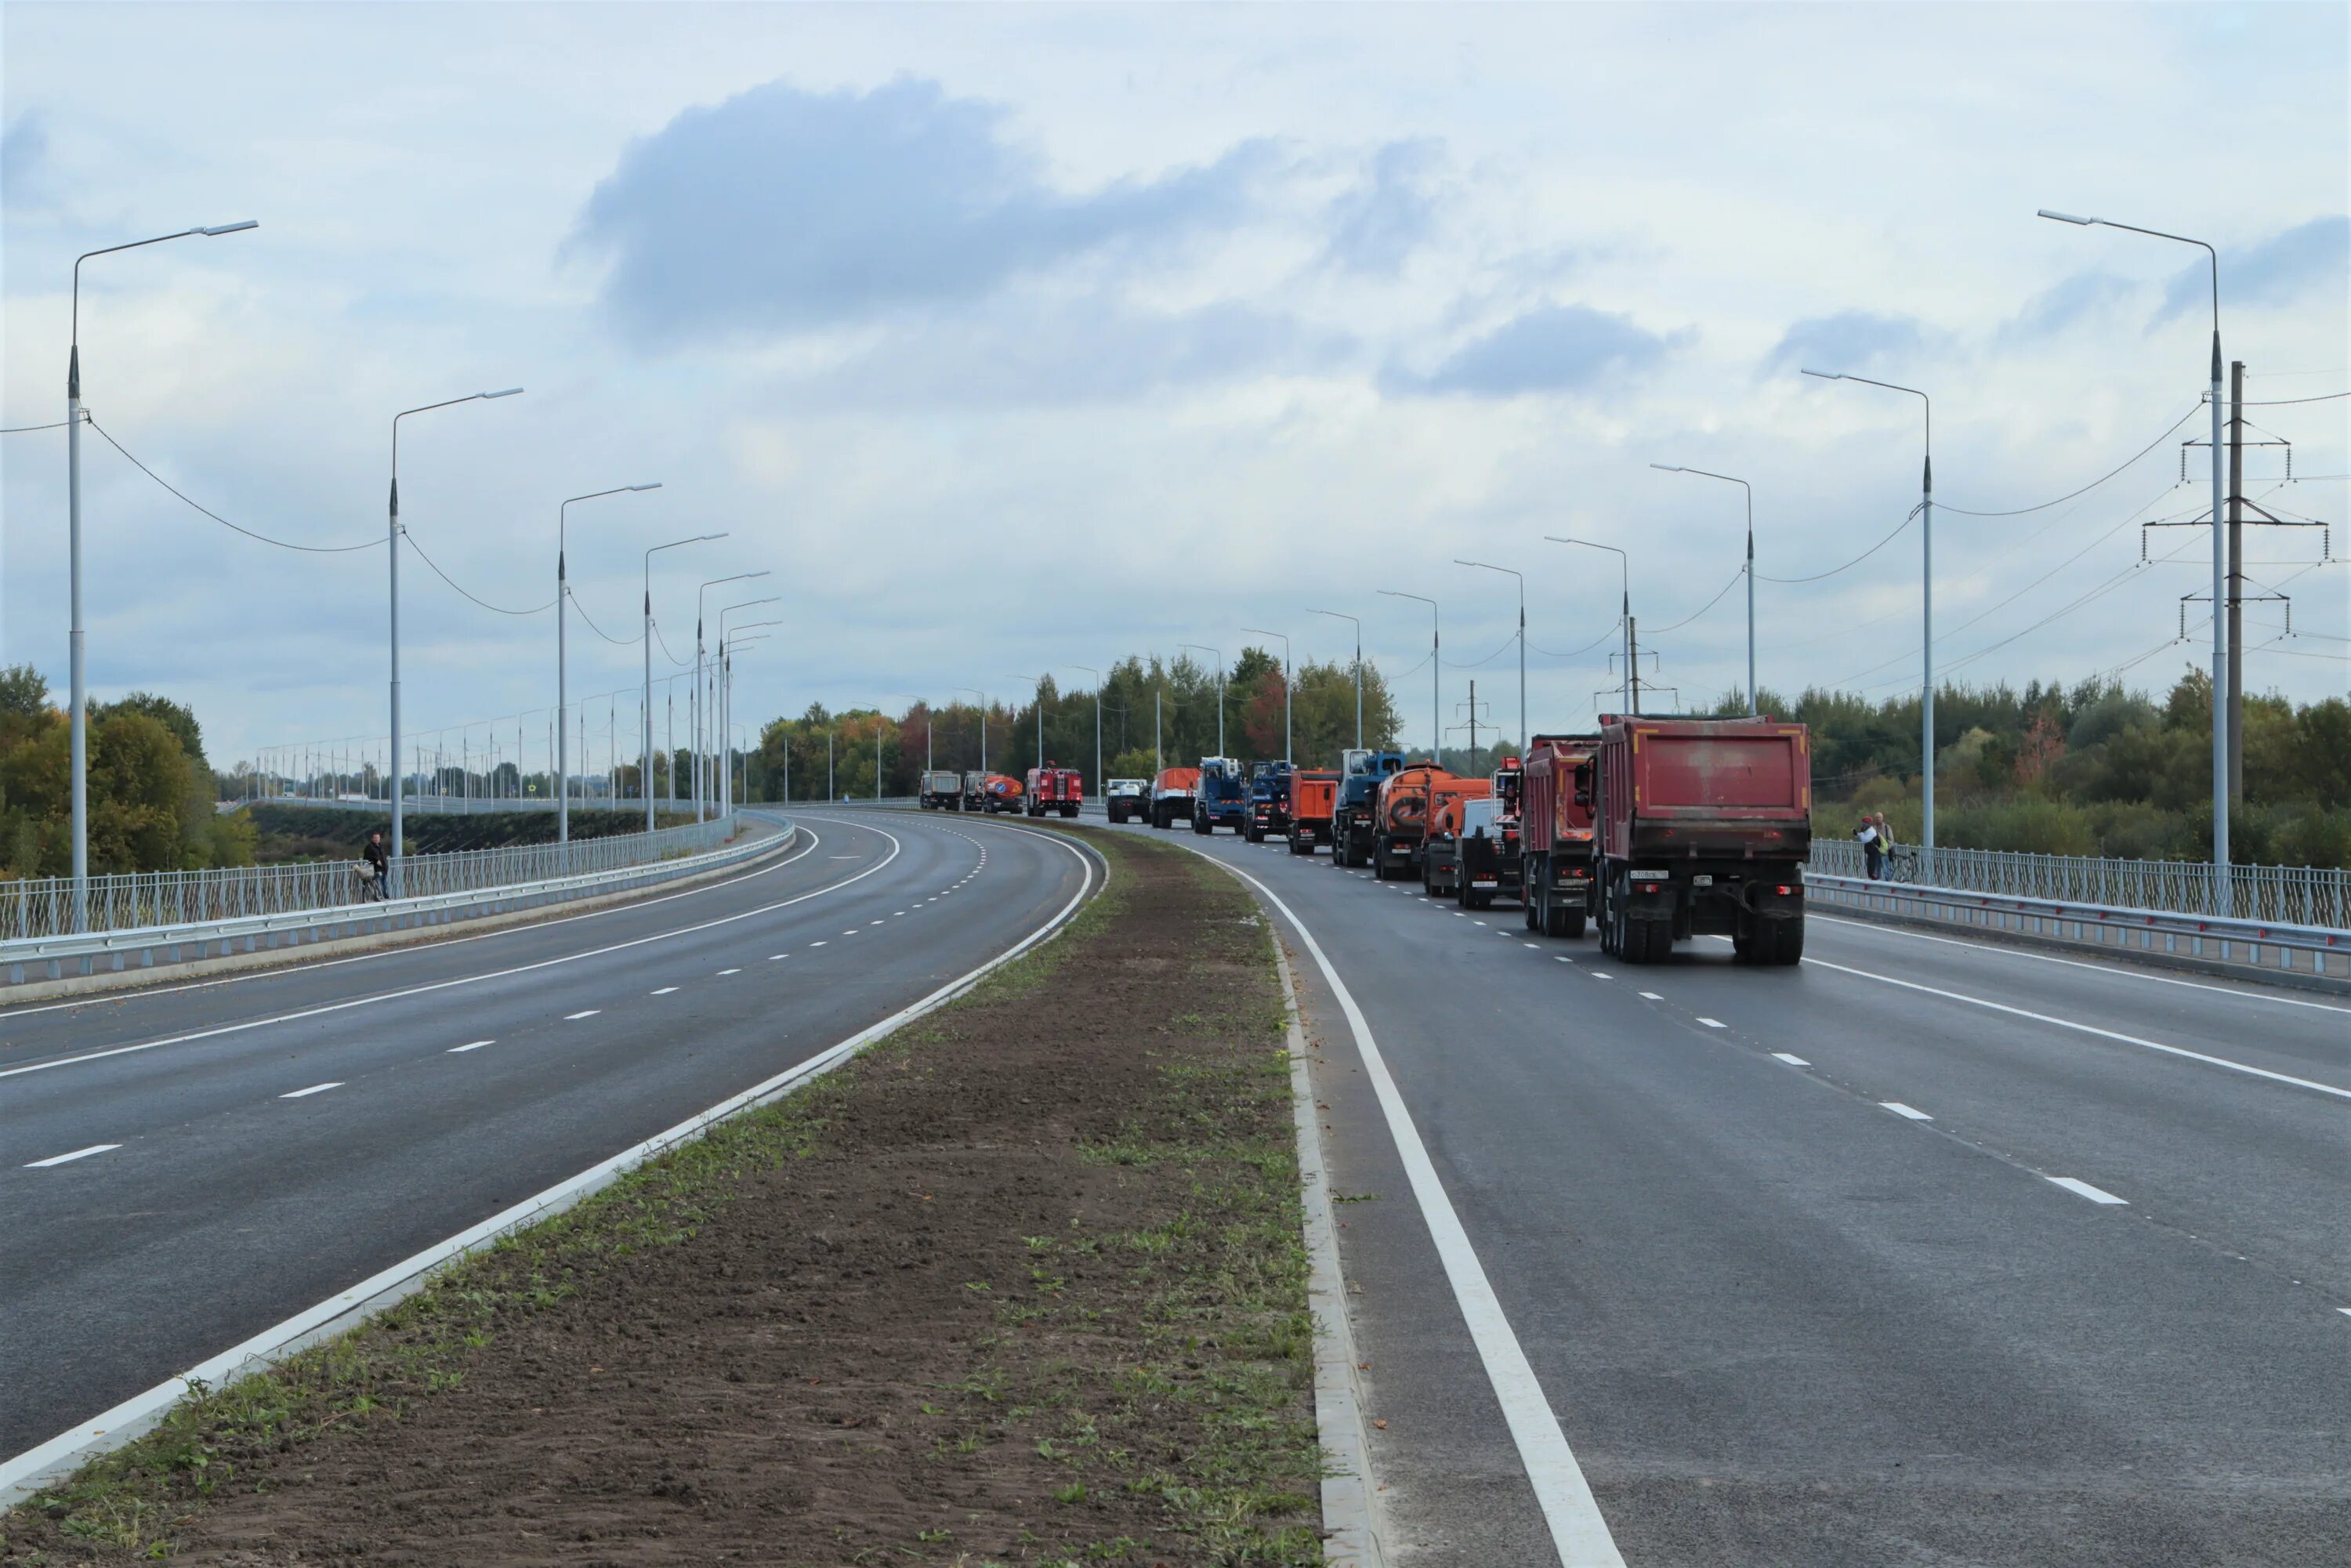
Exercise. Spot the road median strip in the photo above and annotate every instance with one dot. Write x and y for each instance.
(1025, 1282)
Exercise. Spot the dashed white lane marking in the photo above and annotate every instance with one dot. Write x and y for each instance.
(469, 1045)
(666, 990)
(1908, 1113)
(2340, 1093)
(724, 972)
(314, 1089)
(773, 956)
(1717, 1023)
(1790, 1061)
(584, 1013)
(1650, 997)
(849, 933)
(874, 923)
(1565, 959)
(1535, 944)
(2084, 1189)
(2344, 1311)
(1598, 975)
(76, 1154)
(815, 944)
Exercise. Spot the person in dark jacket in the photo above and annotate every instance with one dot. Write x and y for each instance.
(379, 864)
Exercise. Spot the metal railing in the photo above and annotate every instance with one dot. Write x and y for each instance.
(42, 908)
(2292, 896)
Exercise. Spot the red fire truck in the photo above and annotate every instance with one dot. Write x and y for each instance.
(1054, 788)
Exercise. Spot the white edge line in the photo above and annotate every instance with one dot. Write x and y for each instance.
(23, 1475)
(2092, 1028)
(2084, 1189)
(1578, 1531)
(1350, 1506)
(61, 1159)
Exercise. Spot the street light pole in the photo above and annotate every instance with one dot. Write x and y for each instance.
(398, 778)
(1624, 608)
(695, 715)
(78, 705)
(1522, 645)
(646, 782)
(2222, 899)
(1436, 674)
(1261, 632)
(1098, 766)
(1203, 647)
(562, 724)
(1753, 709)
(1926, 618)
(726, 706)
(1359, 669)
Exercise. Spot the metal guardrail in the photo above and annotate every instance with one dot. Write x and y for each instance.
(58, 958)
(40, 909)
(2292, 896)
(2269, 945)
(458, 805)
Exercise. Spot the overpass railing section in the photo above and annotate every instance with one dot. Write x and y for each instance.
(2292, 895)
(42, 908)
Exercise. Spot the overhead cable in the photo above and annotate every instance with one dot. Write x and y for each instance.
(234, 528)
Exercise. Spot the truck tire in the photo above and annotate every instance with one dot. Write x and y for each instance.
(1568, 923)
(1068, 813)
(1779, 943)
(1649, 941)
(1201, 825)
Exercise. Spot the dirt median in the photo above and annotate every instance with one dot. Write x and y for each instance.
(1022, 1284)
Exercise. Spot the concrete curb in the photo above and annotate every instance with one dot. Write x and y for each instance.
(1351, 1514)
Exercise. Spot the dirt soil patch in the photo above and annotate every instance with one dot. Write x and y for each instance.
(1023, 1284)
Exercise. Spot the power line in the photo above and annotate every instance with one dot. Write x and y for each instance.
(499, 609)
(2094, 484)
(1907, 519)
(1661, 630)
(21, 429)
(207, 511)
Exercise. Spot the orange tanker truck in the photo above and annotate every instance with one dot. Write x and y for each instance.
(1407, 801)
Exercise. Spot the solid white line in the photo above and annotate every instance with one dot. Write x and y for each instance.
(2006, 951)
(575, 1018)
(2084, 1189)
(1905, 1111)
(326, 1008)
(314, 1089)
(475, 1045)
(138, 1413)
(78, 1154)
(1578, 1531)
(724, 972)
(2092, 1028)
(1790, 1061)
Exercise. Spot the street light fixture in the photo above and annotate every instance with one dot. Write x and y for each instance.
(398, 771)
(1673, 468)
(1359, 669)
(646, 781)
(1261, 632)
(698, 714)
(1204, 648)
(1100, 783)
(1925, 616)
(1436, 674)
(2222, 715)
(1522, 644)
(1624, 612)
(563, 726)
(77, 706)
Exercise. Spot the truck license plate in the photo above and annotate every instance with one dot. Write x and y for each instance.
(1702, 881)
(1481, 882)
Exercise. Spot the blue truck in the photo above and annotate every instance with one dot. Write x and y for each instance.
(1223, 800)
(1268, 803)
(1354, 816)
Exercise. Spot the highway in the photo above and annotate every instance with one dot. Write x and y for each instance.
(182, 1167)
(1927, 1252)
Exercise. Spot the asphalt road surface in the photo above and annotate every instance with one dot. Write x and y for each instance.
(1929, 1252)
(182, 1167)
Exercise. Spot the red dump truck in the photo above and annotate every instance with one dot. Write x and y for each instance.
(1172, 790)
(1313, 797)
(1053, 788)
(1704, 825)
(1555, 835)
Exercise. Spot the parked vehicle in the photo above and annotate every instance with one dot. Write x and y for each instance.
(1172, 790)
(1127, 799)
(1222, 800)
(1555, 835)
(1054, 788)
(1408, 799)
(1703, 828)
(1354, 810)
(1269, 802)
(1001, 792)
(1312, 798)
(941, 792)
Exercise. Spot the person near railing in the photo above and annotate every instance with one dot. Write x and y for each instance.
(1873, 846)
(379, 864)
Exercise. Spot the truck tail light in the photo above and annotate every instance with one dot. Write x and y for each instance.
(1784, 890)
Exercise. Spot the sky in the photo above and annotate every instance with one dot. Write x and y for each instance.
(1008, 340)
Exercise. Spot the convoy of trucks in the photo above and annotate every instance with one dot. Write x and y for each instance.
(1269, 802)
(1354, 810)
(1127, 799)
(941, 792)
(1053, 789)
(1222, 798)
(1172, 790)
(1313, 797)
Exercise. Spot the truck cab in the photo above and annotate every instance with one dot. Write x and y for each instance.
(1354, 810)
(1223, 798)
(1269, 802)
(1127, 799)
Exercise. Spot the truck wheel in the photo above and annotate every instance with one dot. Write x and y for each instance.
(1068, 813)
(1569, 924)
(1200, 826)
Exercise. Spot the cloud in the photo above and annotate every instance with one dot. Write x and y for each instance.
(1376, 225)
(24, 149)
(782, 210)
(2274, 272)
(1554, 347)
(2060, 304)
(1848, 340)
